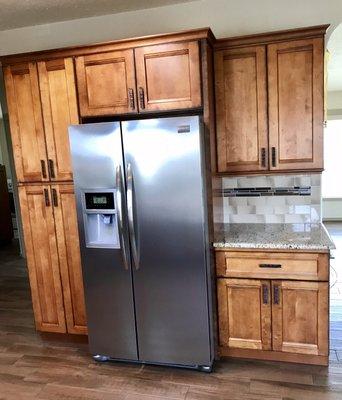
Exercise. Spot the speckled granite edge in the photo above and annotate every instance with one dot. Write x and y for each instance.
(261, 236)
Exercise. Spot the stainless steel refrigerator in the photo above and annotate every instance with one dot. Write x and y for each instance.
(142, 217)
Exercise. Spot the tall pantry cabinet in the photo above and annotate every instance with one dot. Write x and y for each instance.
(42, 103)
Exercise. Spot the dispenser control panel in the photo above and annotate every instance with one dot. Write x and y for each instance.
(99, 200)
(100, 218)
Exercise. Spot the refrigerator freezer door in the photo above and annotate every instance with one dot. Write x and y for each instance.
(166, 220)
(98, 167)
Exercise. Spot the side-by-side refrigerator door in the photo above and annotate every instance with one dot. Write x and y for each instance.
(167, 232)
(101, 209)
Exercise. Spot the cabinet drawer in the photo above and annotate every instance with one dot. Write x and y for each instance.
(264, 265)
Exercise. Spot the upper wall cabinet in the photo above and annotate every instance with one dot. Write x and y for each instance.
(59, 103)
(295, 90)
(269, 103)
(106, 83)
(42, 104)
(26, 122)
(241, 109)
(168, 76)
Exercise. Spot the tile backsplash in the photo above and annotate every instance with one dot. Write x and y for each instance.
(268, 199)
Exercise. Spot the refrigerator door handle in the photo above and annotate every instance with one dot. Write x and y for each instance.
(131, 224)
(120, 220)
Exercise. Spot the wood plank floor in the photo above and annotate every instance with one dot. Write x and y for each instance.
(33, 367)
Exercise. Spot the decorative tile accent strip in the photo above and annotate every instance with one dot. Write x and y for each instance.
(267, 199)
(267, 191)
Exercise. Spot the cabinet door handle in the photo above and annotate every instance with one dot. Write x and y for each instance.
(43, 167)
(131, 98)
(274, 158)
(276, 297)
(54, 197)
(263, 157)
(47, 198)
(51, 169)
(265, 294)
(269, 265)
(142, 98)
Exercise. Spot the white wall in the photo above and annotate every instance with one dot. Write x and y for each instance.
(334, 103)
(225, 17)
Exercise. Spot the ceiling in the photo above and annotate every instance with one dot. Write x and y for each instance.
(335, 60)
(16, 14)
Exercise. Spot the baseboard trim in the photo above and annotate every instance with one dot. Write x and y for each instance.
(274, 356)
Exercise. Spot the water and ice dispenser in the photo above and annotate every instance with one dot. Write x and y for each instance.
(100, 218)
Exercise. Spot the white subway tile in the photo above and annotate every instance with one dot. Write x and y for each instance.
(229, 183)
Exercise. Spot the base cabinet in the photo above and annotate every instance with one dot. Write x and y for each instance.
(53, 259)
(274, 319)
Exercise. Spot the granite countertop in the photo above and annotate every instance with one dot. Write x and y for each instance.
(273, 236)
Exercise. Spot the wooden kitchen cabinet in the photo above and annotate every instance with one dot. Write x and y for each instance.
(279, 316)
(59, 105)
(168, 76)
(42, 258)
(241, 109)
(244, 313)
(300, 317)
(53, 257)
(63, 199)
(295, 93)
(42, 104)
(106, 83)
(26, 122)
(269, 102)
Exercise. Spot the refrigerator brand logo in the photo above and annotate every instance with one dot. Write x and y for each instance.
(184, 129)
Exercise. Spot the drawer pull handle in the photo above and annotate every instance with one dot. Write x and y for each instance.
(269, 265)
(265, 294)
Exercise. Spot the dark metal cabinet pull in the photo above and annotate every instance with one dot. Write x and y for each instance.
(269, 265)
(54, 197)
(263, 157)
(131, 98)
(276, 298)
(142, 98)
(51, 169)
(265, 294)
(47, 198)
(274, 159)
(42, 164)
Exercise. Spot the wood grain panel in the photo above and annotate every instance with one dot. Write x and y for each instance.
(241, 109)
(59, 103)
(244, 316)
(70, 258)
(169, 76)
(295, 90)
(26, 123)
(42, 258)
(104, 81)
(279, 265)
(300, 317)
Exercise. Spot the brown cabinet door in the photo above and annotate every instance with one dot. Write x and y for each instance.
(106, 83)
(295, 90)
(241, 109)
(300, 317)
(168, 76)
(69, 257)
(42, 258)
(59, 104)
(26, 123)
(244, 310)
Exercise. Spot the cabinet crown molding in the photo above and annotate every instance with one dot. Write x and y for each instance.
(272, 37)
(121, 44)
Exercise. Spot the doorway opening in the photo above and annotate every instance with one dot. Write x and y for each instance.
(332, 186)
